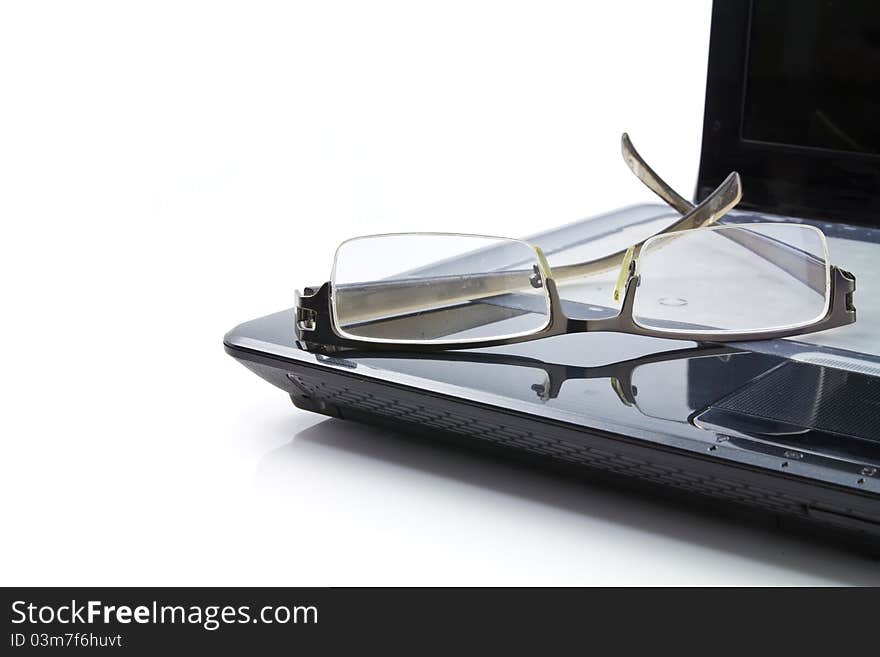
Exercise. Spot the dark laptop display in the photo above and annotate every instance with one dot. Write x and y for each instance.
(816, 86)
(792, 100)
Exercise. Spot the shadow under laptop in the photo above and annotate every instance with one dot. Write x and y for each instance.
(322, 449)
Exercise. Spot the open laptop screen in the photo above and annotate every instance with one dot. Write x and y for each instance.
(792, 103)
(812, 75)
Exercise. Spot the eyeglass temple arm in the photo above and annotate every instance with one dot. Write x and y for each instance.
(713, 207)
(384, 301)
(814, 275)
(649, 177)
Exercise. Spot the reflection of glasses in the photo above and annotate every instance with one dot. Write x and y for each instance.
(644, 375)
(692, 281)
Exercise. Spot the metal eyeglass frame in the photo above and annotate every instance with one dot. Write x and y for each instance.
(316, 327)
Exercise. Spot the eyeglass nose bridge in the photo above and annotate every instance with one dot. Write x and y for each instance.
(621, 322)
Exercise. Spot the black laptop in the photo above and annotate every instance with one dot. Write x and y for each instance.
(785, 431)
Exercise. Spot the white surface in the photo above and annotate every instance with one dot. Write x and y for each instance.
(168, 170)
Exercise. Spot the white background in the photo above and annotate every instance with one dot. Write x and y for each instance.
(169, 170)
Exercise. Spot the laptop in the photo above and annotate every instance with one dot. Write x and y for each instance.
(785, 432)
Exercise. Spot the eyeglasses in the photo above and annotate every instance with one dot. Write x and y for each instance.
(694, 280)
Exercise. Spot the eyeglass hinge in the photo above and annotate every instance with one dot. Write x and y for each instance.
(627, 269)
(306, 319)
